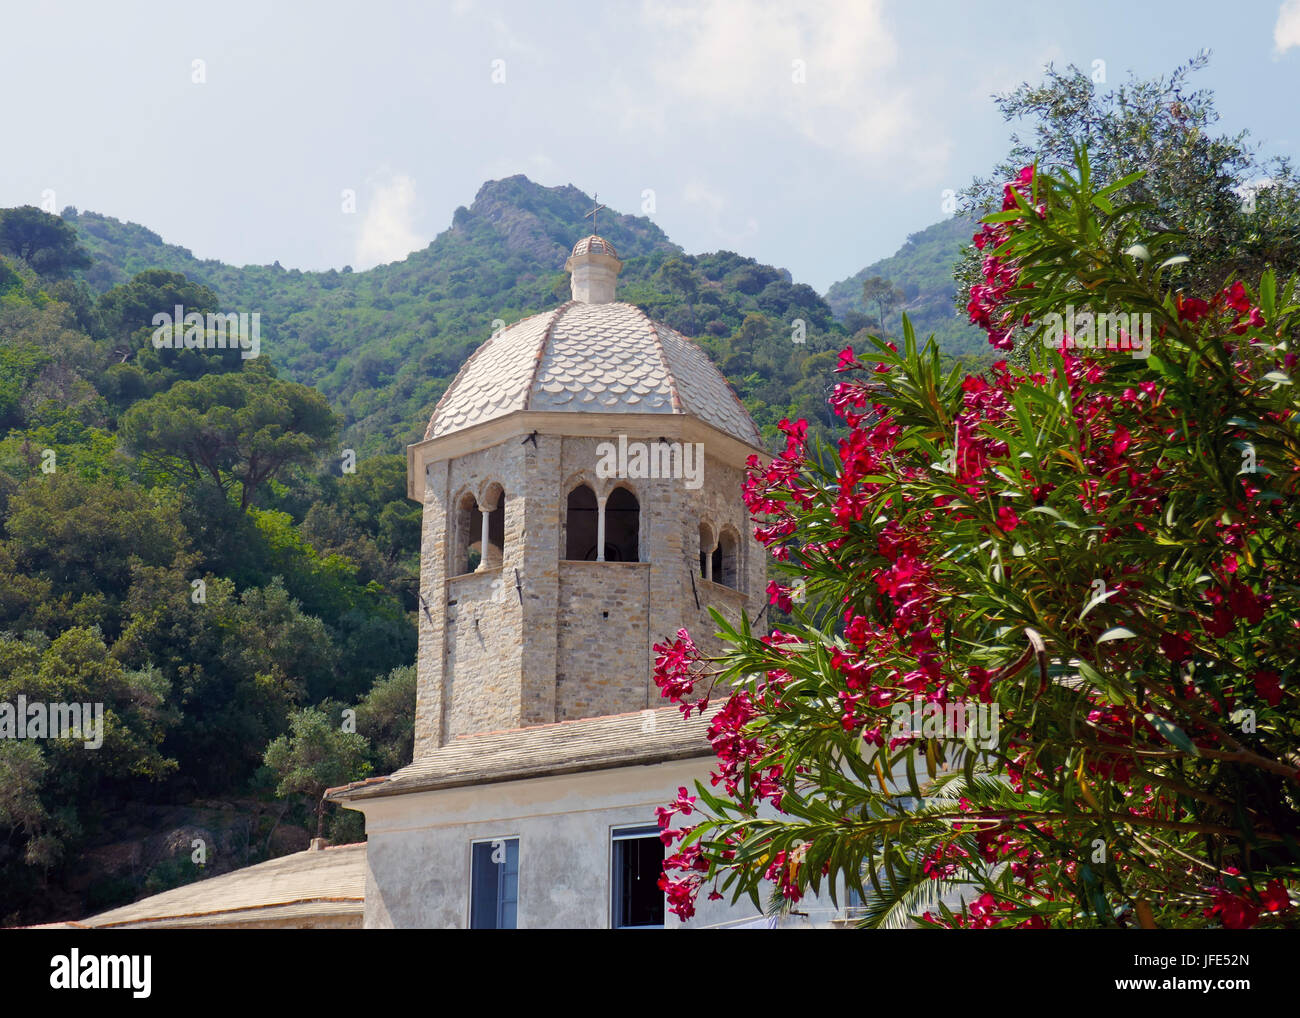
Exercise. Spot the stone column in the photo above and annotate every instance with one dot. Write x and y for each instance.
(600, 528)
(483, 541)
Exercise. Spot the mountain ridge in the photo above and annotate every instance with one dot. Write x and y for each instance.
(383, 343)
(922, 268)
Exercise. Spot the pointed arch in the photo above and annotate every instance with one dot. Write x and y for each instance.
(581, 523)
(726, 559)
(466, 549)
(622, 525)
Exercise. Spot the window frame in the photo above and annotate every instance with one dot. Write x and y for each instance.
(630, 832)
(506, 839)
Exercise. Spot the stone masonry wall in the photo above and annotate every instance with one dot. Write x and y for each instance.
(573, 639)
(432, 617)
(718, 504)
(484, 637)
(602, 638)
(540, 577)
(468, 669)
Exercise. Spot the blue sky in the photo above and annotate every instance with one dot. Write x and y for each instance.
(697, 103)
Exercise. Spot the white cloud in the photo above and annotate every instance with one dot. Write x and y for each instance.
(715, 209)
(497, 27)
(1286, 33)
(1005, 70)
(740, 59)
(387, 226)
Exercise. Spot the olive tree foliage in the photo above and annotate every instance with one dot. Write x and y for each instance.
(1234, 211)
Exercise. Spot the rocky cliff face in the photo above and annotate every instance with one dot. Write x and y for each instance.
(542, 223)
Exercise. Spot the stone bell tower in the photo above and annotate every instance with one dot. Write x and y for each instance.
(581, 483)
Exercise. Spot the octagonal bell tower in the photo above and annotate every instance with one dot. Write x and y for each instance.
(581, 483)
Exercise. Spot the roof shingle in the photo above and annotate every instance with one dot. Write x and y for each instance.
(604, 358)
(565, 747)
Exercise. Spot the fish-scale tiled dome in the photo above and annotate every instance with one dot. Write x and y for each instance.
(590, 358)
(594, 245)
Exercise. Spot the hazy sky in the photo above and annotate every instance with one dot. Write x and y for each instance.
(413, 105)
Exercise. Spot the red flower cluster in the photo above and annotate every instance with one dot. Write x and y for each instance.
(984, 913)
(783, 871)
(1000, 274)
(677, 667)
(944, 862)
(1242, 909)
(681, 891)
(1233, 299)
(899, 612)
(734, 749)
(683, 804)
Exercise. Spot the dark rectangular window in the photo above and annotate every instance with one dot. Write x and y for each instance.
(638, 862)
(494, 884)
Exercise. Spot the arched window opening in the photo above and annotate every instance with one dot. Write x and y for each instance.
(468, 529)
(622, 527)
(496, 527)
(472, 540)
(726, 560)
(706, 553)
(580, 524)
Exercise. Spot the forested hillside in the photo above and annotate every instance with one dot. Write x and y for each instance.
(182, 544)
(185, 539)
(922, 272)
(382, 345)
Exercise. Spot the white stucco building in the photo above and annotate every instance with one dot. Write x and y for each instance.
(581, 484)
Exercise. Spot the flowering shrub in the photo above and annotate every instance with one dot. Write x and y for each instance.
(1099, 553)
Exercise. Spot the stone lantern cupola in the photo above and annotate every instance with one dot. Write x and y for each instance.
(594, 267)
(581, 483)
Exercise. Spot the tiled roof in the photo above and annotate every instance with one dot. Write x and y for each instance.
(607, 357)
(594, 245)
(600, 357)
(324, 883)
(700, 384)
(566, 747)
(495, 380)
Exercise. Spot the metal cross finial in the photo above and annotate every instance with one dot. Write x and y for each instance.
(592, 214)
